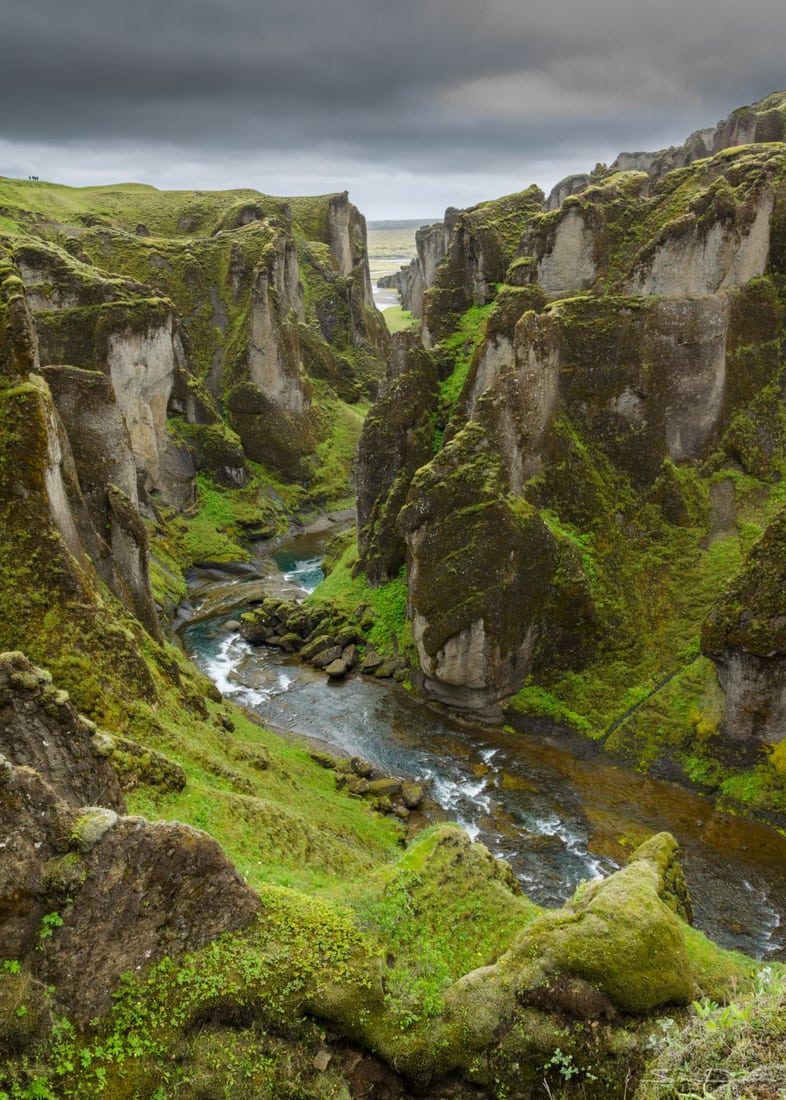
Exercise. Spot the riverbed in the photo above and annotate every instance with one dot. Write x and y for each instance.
(554, 808)
(391, 246)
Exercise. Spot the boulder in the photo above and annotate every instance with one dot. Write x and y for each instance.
(126, 892)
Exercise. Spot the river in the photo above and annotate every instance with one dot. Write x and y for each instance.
(391, 245)
(550, 805)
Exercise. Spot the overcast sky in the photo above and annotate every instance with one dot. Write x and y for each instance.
(411, 105)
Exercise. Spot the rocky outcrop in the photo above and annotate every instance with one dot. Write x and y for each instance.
(49, 525)
(701, 259)
(616, 946)
(482, 243)
(107, 473)
(397, 439)
(142, 368)
(115, 326)
(87, 894)
(763, 122)
(614, 951)
(569, 265)
(268, 393)
(241, 315)
(590, 369)
(745, 635)
(412, 281)
(40, 729)
(570, 185)
(472, 554)
(126, 892)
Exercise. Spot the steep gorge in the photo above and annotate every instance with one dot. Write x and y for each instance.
(581, 446)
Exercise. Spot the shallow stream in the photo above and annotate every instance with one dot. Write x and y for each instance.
(554, 809)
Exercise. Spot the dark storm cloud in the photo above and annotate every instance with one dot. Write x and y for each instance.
(436, 85)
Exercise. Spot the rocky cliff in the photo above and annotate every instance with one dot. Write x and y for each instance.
(599, 381)
(191, 906)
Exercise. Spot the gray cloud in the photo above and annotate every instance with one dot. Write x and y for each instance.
(436, 91)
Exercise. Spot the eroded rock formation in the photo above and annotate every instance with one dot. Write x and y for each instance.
(589, 376)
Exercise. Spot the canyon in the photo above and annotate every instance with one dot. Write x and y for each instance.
(568, 486)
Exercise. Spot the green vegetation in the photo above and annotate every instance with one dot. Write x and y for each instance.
(460, 348)
(399, 319)
(564, 514)
(384, 607)
(731, 1050)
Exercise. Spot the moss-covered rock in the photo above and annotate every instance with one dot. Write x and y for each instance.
(397, 439)
(745, 635)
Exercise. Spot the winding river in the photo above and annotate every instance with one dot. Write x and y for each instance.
(549, 805)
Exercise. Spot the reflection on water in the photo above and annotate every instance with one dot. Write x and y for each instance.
(556, 812)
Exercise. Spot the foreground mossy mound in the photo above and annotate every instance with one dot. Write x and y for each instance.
(436, 972)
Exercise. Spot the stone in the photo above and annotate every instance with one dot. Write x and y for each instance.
(411, 795)
(140, 891)
(386, 786)
(317, 645)
(361, 767)
(371, 662)
(41, 729)
(327, 656)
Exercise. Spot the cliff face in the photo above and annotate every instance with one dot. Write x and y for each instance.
(522, 463)
(70, 524)
(593, 374)
(412, 281)
(163, 349)
(195, 304)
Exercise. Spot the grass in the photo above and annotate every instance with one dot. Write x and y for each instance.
(336, 452)
(275, 811)
(462, 345)
(442, 910)
(347, 588)
(399, 319)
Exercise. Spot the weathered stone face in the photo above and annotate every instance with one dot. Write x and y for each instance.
(40, 729)
(397, 439)
(569, 266)
(479, 570)
(142, 368)
(654, 326)
(128, 891)
(704, 260)
(107, 474)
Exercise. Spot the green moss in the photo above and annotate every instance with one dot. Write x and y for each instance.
(384, 606)
(459, 349)
(399, 319)
(443, 909)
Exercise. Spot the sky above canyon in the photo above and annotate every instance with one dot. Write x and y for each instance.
(411, 105)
